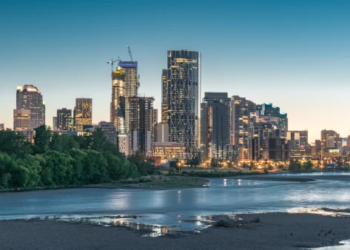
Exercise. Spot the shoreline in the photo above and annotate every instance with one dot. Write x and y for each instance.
(271, 231)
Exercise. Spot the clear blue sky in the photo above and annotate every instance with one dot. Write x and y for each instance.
(293, 53)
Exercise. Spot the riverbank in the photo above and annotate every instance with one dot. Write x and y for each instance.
(296, 178)
(272, 231)
(145, 182)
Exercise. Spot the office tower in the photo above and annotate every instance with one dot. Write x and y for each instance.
(298, 144)
(22, 120)
(109, 131)
(154, 125)
(242, 113)
(163, 132)
(118, 100)
(348, 141)
(64, 117)
(215, 125)
(2, 126)
(164, 96)
(268, 110)
(267, 143)
(141, 124)
(129, 68)
(82, 113)
(298, 138)
(54, 123)
(184, 88)
(329, 139)
(30, 98)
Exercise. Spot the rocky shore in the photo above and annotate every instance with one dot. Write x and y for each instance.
(271, 231)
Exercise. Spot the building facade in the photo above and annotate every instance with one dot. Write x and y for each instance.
(22, 120)
(162, 132)
(109, 131)
(64, 117)
(183, 99)
(118, 100)
(242, 112)
(215, 126)
(164, 96)
(267, 143)
(141, 124)
(82, 113)
(2, 126)
(29, 98)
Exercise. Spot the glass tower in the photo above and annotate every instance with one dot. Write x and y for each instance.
(183, 98)
(30, 98)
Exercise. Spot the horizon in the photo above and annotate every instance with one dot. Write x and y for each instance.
(292, 54)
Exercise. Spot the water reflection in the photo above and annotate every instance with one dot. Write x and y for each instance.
(345, 246)
(174, 207)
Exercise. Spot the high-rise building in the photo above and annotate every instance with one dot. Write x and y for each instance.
(141, 124)
(242, 112)
(329, 139)
(30, 98)
(298, 144)
(22, 120)
(54, 123)
(267, 143)
(268, 110)
(215, 125)
(109, 131)
(131, 85)
(298, 138)
(183, 98)
(154, 125)
(118, 100)
(348, 142)
(164, 96)
(82, 113)
(64, 117)
(163, 132)
(2, 126)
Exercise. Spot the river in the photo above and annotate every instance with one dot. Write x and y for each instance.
(176, 207)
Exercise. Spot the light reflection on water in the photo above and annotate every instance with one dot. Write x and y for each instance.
(174, 208)
(345, 246)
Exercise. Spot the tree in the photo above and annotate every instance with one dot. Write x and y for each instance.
(308, 165)
(12, 142)
(41, 139)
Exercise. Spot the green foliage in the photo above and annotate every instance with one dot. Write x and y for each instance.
(144, 165)
(62, 160)
(41, 139)
(14, 143)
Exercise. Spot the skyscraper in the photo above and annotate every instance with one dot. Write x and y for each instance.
(21, 120)
(109, 131)
(118, 100)
(141, 124)
(30, 98)
(129, 68)
(2, 126)
(64, 117)
(215, 125)
(241, 118)
(165, 96)
(82, 113)
(54, 123)
(183, 98)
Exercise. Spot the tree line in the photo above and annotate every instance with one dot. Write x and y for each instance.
(62, 160)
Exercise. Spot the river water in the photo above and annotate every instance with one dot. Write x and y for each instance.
(184, 209)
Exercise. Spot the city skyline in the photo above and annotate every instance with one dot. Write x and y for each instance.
(291, 63)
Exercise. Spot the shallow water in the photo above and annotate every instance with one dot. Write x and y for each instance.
(179, 209)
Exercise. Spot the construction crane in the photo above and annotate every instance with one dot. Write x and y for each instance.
(112, 61)
(129, 50)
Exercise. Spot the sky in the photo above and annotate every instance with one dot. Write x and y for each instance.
(292, 53)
